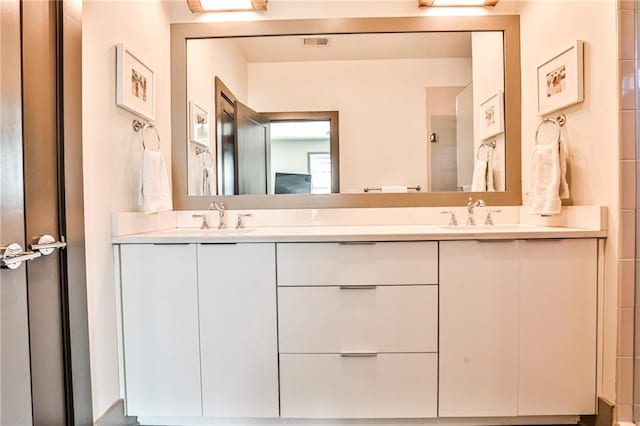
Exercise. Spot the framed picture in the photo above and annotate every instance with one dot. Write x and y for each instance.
(198, 124)
(135, 84)
(492, 116)
(561, 80)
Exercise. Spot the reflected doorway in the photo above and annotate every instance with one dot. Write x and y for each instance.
(304, 152)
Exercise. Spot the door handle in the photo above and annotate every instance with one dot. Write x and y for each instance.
(46, 244)
(12, 256)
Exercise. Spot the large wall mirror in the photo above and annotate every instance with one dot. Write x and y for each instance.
(369, 112)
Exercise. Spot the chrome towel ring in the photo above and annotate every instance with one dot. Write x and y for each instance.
(487, 145)
(140, 126)
(558, 122)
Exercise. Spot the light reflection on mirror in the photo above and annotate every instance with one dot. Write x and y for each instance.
(393, 93)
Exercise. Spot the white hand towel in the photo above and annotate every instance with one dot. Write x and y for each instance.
(154, 195)
(397, 188)
(479, 180)
(547, 179)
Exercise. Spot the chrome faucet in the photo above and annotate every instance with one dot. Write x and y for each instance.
(472, 205)
(221, 210)
(205, 223)
(240, 224)
(489, 220)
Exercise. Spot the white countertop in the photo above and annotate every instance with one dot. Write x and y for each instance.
(356, 233)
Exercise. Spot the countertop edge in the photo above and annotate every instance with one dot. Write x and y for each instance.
(152, 238)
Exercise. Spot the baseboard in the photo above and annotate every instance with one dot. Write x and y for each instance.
(604, 417)
(114, 416)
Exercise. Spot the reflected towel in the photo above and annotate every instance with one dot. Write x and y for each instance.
(479, 180)
(154, 194)
(547, 179)
(397, 188)
(207, 180)
(482, 180)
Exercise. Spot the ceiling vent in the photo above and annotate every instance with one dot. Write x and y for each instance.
(315, 41)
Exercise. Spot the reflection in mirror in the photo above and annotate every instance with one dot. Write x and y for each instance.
(301, 157)
(416, 110)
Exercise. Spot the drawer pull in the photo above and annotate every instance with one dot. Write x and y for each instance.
(358, 287)
(358, 354)
(357, 243)
(496, 240)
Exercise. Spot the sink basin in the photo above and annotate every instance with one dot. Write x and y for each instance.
(210, 231)
(484, 228)
(230, 231)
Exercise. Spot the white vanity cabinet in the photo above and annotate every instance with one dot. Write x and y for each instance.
(518, 327)
(476, 329)
(160, 329)
(479, 299)
(199, 329)
(358, 329)
(238, 331)
(558, 296)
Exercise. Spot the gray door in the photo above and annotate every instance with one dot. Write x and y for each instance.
(15, 375)
(252, 149)
(45, 364)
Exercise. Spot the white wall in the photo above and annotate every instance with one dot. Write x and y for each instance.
(591, 133)
(207, 59)
(111, 159)
(382, 110)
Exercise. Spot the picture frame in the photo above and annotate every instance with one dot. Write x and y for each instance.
(492, 116)
(198, 124)
(135, 84)
(561, 80)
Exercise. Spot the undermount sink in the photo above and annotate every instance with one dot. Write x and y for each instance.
(230, 231)
(482, 228)
(211, 231)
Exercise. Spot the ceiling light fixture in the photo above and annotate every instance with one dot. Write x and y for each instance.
(204, 6)
(456, 3)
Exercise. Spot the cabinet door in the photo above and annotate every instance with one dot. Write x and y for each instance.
(478, 328)
(238, 330)
(160, 329)
(558, 327)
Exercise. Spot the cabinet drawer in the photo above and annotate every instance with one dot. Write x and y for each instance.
(382, 386)
(358, 318)
(393, 263)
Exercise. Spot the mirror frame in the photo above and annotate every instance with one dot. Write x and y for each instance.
(508, 24)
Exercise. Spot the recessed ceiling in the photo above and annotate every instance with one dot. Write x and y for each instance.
(357, 47)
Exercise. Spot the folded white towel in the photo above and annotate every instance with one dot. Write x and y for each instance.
(547, 179)
(154, 194)
(397, 188)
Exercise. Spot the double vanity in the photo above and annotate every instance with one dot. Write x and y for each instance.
(435, 323)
